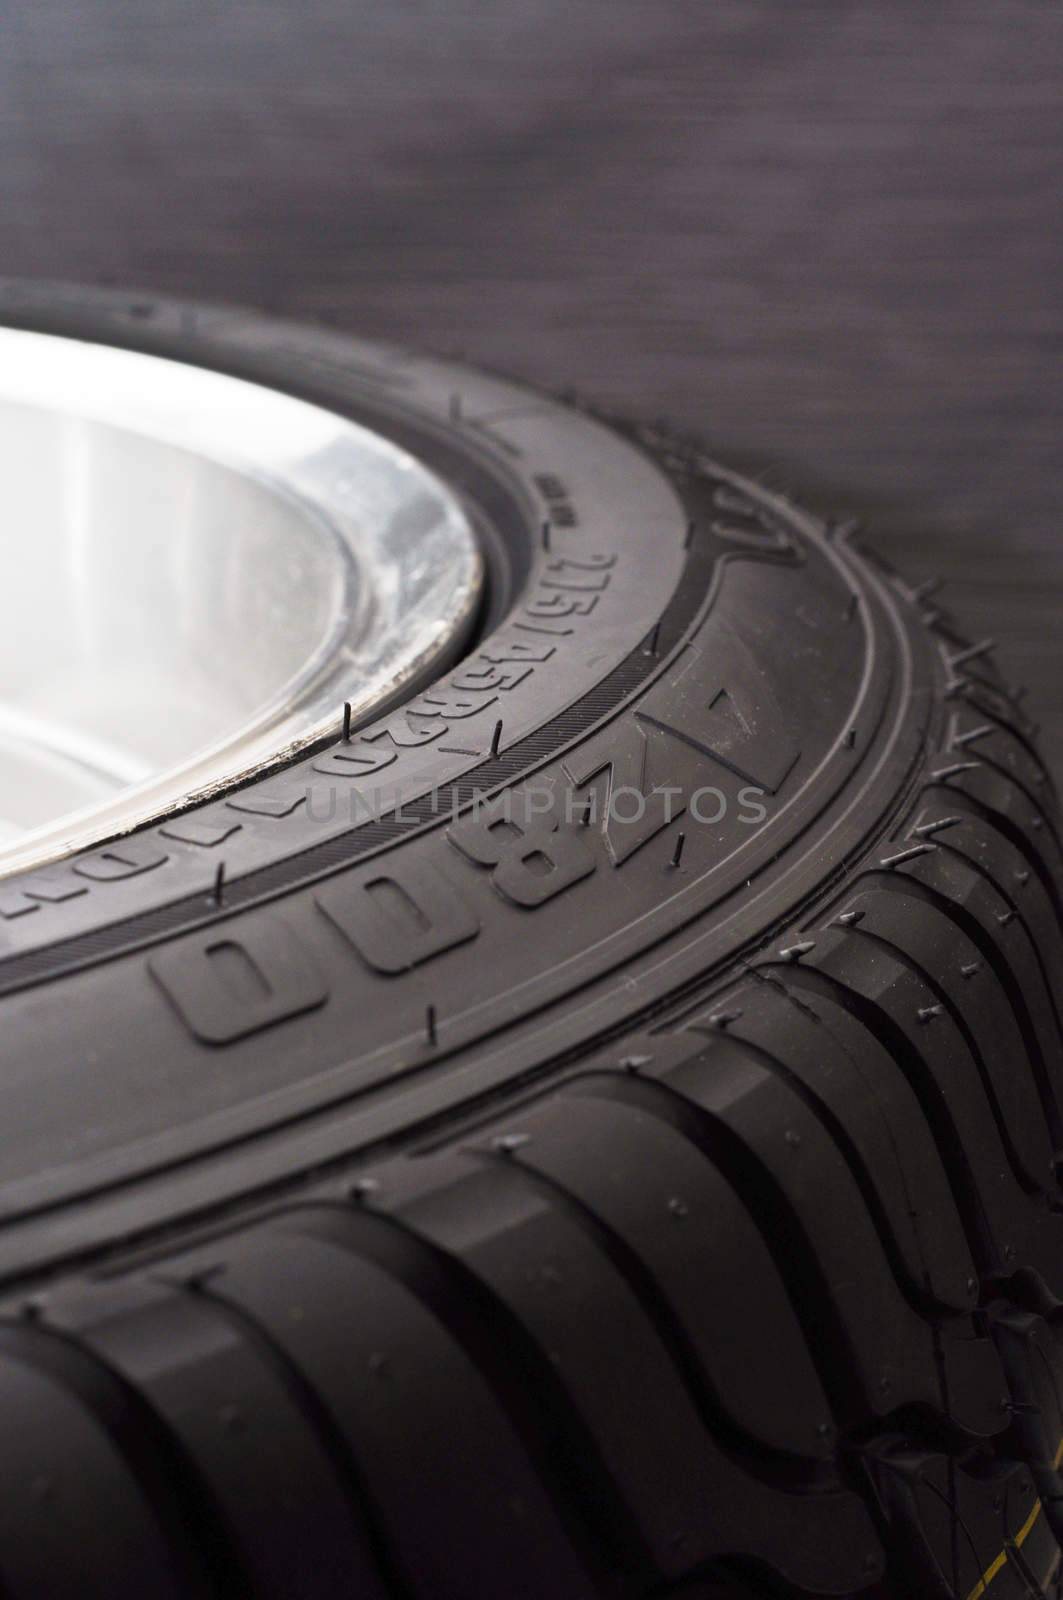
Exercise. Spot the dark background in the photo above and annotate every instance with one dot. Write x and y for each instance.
(826, 234)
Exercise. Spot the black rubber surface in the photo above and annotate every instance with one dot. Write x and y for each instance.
(500, 1200)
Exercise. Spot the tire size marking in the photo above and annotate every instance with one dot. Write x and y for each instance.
(226, 985)
(397, 918)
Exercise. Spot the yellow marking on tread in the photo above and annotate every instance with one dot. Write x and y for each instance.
(1020, 1538)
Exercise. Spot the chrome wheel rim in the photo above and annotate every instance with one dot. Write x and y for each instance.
(197, 573)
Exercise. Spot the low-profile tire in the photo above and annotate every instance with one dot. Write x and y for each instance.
(596, 1135)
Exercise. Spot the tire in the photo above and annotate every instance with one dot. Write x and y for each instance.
(523, 1195)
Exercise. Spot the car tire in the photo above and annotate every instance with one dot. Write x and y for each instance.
(592, 1131)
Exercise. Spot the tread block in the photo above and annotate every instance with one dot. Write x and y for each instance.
(1015, 1228)
(236, 1415)
(976, 1005)
(78, 1520)
(1029, 824)
(1009, 869)
(876, 1119)
(689, 1503)
(1006, 947)
(661, 1200)
(458, 1505)
(886, 1346)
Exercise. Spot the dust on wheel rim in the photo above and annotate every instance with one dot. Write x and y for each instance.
(199, 572)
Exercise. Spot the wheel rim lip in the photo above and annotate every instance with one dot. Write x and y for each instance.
(401, 552)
